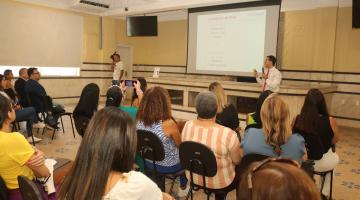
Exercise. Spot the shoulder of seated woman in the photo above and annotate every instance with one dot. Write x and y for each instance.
(169, 123)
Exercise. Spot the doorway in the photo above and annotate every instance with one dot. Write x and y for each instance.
(126, 55)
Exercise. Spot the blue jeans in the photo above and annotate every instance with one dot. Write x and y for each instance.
(171, 169)
(27, 114)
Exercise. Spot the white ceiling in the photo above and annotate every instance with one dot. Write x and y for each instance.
(170, 9)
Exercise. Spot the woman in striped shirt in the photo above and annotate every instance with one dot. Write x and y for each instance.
(221, 140)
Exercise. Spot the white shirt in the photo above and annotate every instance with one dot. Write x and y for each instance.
(136, 186)
(273, 81)
(117, 69)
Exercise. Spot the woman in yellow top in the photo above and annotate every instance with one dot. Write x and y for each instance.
(17, 156)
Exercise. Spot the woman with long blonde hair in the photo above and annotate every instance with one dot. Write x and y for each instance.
(275, 139)
(226, 113)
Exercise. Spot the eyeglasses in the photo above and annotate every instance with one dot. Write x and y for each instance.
(265, 162)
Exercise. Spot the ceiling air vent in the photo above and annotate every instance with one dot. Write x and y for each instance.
(92, 5)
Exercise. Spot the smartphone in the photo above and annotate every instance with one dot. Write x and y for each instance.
(129, 83)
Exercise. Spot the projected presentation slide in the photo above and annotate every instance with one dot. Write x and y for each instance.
(231, 41)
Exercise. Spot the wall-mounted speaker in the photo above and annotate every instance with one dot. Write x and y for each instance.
(356, 14)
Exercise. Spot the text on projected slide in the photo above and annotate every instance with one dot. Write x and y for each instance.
(232, 41)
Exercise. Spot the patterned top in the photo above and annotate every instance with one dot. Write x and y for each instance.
(171, 151)
(221, 141)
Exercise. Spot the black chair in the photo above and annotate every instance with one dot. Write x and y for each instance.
(4, 193)
(81, 123)
(29, 190)
(248, 159)
(150, 147)
(322, 180)
(198, 158)
(55, 114)
(323, 175)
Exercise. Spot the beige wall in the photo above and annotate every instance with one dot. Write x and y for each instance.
(91, 51)
(168, 48)
(320, 39)
(347, 43)
(307, 39)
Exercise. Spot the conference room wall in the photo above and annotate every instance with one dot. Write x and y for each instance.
(68, 89)
(91, 50)
(168, 48)
(320, 39)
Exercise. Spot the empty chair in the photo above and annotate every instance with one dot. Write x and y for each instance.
(29, 190)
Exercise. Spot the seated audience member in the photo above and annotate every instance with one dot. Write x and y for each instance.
(275, 139)
(88, 102)
(154, 115)
(114, 97)
(17, 156)
(276, 179)
(253, 119)
(320, 133)
(9, 87)
(36, 92)
(135, 100)
(20, 87)
(27, 114)
(110, 139)
(86, 107)
(227, 114)
(221, 140)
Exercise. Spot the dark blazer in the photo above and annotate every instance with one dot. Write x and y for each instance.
(36, 94)
(20, 90)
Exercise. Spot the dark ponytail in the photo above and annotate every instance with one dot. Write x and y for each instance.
(113, 96)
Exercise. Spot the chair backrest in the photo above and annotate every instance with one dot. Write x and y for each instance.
(248, 159)
(81, 123)
(29, 190)
(150, 146)
(4, 193)
(197, 158)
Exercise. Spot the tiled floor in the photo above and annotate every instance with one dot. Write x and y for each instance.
(346, 179)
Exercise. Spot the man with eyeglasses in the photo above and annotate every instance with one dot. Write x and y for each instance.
(36, 92)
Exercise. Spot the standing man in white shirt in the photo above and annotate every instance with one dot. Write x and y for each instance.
(271, 77)
(117, 67)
